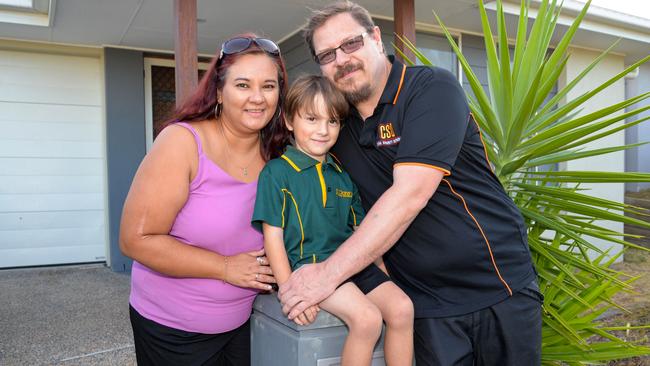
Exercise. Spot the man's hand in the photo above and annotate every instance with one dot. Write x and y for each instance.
(307, 286)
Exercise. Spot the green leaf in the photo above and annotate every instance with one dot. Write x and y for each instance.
(489, 116)
(589, 177)
(573, 155)
(572, 130)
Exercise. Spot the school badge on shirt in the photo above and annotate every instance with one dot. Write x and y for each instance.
(387, 136)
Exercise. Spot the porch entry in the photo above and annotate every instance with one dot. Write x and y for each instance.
(160, 97)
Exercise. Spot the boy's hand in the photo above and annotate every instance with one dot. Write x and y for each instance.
(308, 316)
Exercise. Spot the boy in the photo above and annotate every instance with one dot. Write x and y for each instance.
(307, 205)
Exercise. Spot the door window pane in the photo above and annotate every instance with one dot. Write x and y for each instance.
(437, 50)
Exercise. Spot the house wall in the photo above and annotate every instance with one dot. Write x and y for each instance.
(615, 162)
(638, 159)
(297, 57)
(125, 136)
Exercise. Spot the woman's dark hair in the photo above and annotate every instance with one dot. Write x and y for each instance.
(201, 104)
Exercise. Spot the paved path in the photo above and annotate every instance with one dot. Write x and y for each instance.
(69, 315)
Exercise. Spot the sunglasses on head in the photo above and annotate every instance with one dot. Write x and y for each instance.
(348, 46)
(239, 44)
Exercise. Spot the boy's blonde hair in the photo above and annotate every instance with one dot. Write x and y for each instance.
(303, 93)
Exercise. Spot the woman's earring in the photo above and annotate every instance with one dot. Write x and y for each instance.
(279, 113)
(217, 110)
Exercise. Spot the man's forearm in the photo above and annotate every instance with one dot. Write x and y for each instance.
(384, 224)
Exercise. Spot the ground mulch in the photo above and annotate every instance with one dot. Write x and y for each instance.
(637, 263)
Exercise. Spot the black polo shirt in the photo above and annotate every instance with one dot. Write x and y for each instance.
(467, 249)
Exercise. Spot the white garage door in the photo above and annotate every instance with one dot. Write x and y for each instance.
(51, 160)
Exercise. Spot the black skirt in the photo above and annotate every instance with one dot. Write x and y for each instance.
(157, 344)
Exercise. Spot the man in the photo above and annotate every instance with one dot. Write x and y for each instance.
(450, 236)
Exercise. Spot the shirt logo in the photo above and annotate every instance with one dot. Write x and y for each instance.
(344, 194)
(387, 135)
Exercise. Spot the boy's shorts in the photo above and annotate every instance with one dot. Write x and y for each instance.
(369, 278)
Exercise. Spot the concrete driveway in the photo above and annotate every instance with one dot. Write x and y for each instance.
(67, 315)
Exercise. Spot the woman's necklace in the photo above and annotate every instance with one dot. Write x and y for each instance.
(244, 169)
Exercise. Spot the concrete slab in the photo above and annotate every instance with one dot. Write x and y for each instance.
(67, 315)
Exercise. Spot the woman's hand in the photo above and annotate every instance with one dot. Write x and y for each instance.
(250, 270)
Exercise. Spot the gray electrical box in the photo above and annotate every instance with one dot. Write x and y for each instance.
(277, 341)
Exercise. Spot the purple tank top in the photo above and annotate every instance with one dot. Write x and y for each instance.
(217, 217)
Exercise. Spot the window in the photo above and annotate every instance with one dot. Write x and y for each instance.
(17, 3)
(434, 46)
(437, 49)
(28, 12)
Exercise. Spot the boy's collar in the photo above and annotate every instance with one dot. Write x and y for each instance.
(299, 160)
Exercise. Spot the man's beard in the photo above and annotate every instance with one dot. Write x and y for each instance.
(358, 95)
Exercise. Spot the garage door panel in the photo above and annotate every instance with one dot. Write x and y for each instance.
(63, 254)
(53, 149)
(78, 75)
(37, 62)
(51, 238)
(51, 220)
(52, 113)
(52, 159)
(51, 184)
(43, 131)
(39, 78)
(51, 166)
(50, 94)
(51, 202)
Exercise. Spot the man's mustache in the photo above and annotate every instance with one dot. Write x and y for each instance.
(346, 69)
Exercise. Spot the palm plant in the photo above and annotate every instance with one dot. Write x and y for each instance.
(527, 133)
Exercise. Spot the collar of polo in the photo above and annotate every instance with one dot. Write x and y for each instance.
(393, 83)
(299, 160)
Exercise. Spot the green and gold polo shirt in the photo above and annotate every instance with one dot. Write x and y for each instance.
(315, 203)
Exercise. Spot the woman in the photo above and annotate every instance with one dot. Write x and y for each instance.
(198, 263)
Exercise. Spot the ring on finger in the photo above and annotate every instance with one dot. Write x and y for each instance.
(260, 260)
(257, 276)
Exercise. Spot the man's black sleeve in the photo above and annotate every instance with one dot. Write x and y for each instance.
(435, 121)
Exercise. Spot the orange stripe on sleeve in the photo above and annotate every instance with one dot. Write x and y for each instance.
(494, 264)
(447, 172)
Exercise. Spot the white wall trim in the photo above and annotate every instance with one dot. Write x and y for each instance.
(21, 45)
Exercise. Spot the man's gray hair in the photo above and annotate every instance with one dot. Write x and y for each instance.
(319, 17)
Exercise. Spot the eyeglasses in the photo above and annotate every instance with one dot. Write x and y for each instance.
(239, 44)
(348, 46)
